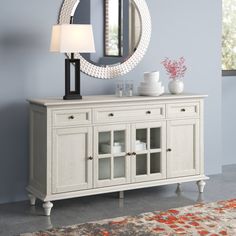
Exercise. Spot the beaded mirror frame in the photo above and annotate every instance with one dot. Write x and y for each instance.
(112, 71)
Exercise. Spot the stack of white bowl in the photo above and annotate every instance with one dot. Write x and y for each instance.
(151, 85)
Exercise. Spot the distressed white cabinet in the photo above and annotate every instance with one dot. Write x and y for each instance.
(103, 144)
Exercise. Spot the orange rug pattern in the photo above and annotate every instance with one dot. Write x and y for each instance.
(212, 219)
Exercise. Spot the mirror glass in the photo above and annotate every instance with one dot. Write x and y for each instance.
(116, 27)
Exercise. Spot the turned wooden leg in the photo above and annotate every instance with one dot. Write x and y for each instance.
(32, 199)
(201, 184)
(47, 206)
(121, 195)
(179, 189)
(200, 198)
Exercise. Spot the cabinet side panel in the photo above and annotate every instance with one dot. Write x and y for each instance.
(38, 140)
(201, 136)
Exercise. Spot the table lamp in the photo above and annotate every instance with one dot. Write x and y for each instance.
(72, 38)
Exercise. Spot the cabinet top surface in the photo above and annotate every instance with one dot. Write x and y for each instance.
(111, 99)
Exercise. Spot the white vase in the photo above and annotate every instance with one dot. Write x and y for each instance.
(176, 86)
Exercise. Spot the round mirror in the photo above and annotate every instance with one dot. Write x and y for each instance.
(122, 30)
(116, 27)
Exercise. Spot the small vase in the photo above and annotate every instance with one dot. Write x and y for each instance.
(176, 86)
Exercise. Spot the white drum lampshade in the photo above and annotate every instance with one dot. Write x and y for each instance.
(72, 38)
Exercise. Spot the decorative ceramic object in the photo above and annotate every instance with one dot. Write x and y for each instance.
(151, 85)
(176, 70)
(176, 86)
(140, 146)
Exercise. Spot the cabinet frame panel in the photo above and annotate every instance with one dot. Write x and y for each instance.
(89, 164)
(171, 172)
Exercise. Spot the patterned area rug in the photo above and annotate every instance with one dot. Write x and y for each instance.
(218, 218)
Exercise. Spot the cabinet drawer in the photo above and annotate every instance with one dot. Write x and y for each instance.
(71, 117)
(132, 113)
(182, 110)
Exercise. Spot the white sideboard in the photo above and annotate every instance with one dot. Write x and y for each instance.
(105, 144)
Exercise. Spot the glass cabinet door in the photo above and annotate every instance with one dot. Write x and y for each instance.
(149, 156)
(112, 162)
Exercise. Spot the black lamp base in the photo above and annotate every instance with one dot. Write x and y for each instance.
(72, 95)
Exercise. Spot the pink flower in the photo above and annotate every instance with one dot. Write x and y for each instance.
(175, 68)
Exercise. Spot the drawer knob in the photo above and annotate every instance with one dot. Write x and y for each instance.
(149, 112)
(129, 154)
(134, 153)
(183, 110)
(90, 158)
(111, 115)
(71, 117)
(169, 150)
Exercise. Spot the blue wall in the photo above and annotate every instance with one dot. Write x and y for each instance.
(186, 28)
(228, 120)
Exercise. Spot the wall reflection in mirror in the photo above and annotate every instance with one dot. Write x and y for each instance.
(116, 26)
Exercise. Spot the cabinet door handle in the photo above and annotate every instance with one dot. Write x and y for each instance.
(149, 112)
(183, 110)
(111, 115)
(90, 158)
(134, 153)
(71, 117)
(129, 154)
(169, 150)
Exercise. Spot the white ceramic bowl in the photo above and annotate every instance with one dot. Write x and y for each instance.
(153, 93)
(153, 79)
(140, 147)
(117, 148)
(151, 74)
(156, 85)
(153, 88)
